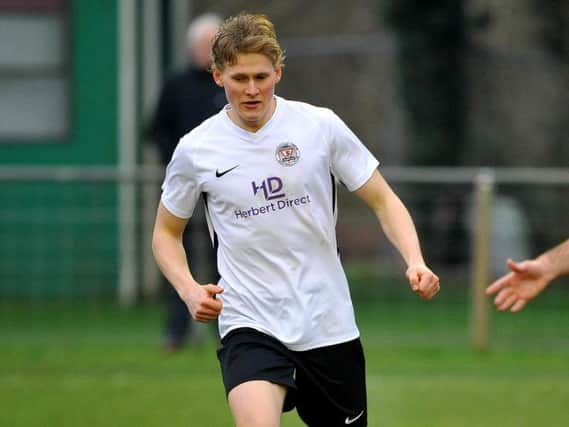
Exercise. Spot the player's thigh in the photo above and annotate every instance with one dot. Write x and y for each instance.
(257, 404)
(331, 386)
(248, 355)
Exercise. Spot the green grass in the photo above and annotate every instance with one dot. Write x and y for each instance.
(76, 364)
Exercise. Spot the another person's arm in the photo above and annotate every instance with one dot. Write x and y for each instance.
(400, 230)
(170, 255)
(527, 279)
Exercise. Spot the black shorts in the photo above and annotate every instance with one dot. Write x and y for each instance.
(326, 384)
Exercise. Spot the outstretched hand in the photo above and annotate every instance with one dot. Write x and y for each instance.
(525, 281)
(423, 281)
(203, 303)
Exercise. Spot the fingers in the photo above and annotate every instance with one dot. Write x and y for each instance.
(503, 282)
(205, 315)
(208, 310)
(513, 303)
(521, 303)
(213, 290)
(414, 282)
(209, 306)
(506, 302)
(502, 296)
(429, 288)
(509, 299)
(499, 284)
(517, 267)
(425, 283)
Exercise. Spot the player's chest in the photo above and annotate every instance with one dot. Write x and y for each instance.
(265, 172)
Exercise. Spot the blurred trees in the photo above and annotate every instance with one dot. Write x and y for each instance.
(431, 39)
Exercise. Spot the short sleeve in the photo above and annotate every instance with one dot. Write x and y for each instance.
(351, 162)
(180, 189)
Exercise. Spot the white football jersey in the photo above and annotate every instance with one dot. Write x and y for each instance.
(271, 205)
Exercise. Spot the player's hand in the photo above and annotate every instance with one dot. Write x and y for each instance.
(524, 282)
(203, 303)
(423, 281)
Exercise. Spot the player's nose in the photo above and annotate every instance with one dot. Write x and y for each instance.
(252, 88)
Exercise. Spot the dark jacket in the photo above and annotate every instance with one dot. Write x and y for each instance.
(187, 99)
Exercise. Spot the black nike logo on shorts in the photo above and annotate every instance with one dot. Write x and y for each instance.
(219, 174)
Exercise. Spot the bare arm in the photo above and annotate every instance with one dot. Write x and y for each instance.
(556, 260)
(400, 230)
(527, 279)
(171, 258)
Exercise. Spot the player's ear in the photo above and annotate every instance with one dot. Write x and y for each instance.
(279, 73)
(217, 77)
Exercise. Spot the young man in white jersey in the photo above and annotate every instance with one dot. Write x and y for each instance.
(268, 169)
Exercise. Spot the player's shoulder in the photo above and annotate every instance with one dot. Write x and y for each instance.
(200, 134)
(306, 112)
(304, 108)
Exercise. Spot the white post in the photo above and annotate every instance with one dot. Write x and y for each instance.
(180, 14)
(127, 147)
(151, 75)
(481, 252)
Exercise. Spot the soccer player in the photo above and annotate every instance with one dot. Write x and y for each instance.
(268, 168)
(529, 278)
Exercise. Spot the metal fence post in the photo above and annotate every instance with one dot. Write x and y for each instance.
(127, 149)
(479, 307)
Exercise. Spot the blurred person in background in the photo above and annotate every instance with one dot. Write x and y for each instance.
(187, 98)
(527, 279)
(269, 168)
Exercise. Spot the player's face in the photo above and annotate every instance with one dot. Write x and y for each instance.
(250, 87)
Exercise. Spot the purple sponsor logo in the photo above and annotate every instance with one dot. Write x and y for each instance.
(279, 205)
(272, 188)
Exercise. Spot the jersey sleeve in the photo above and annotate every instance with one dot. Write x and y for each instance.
(180, 189)
(351, 162)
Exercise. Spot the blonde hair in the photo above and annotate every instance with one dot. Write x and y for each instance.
(246, 33)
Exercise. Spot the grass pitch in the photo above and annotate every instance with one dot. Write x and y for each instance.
(76, 364)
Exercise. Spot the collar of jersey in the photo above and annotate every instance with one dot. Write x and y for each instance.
(254, 136)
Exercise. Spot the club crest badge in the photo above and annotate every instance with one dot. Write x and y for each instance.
(287, 154)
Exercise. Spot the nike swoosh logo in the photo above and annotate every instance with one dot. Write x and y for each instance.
(219, 174)
(353, 420)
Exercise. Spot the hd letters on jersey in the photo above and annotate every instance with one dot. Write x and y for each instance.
(271, 188)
